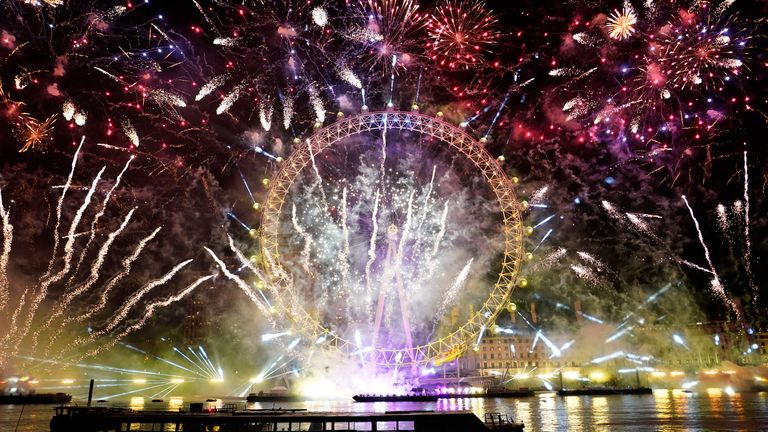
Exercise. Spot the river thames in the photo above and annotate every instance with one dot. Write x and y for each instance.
(665, 410)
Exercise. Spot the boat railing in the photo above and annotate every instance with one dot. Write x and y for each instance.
(97, 419)
(497, 419)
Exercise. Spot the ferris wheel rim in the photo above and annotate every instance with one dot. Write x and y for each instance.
(434, 351)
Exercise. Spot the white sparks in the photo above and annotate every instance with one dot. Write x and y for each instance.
(591, 259)
(317, 103)
(551, 258)
(540, 195)
(640, 224)
(113, 77)
(247, 263)
(127, 264)
(225, 41)
(747, 241)
(100, 214)
(230, 99)
(125, 308)
(372, 242)
(363, 34)
(694, 266)
(239, 282)
(722, 7)
(586, 39)
(723, 223)
(318, 177)
(715, 284)
(287, 111)
(307, 249)
(319, 16)
(68, 110)
(5, 253)
(210, 86)
(130, 132)
(561, 72)
(347, 75)
(265, 114)
(148, 312)
(163, 97)
(586, 274)
(732, 63)
(453, 291)
(612, 212)
(577, 106)
(406, 231)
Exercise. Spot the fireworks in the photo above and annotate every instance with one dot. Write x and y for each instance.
(700, 53)
(461, 33)
(317, 104)
(265, 114)
(230, 99)
(131, 133)
(347, 75)
(240, 283)
(392, 31)
(27, 301)
(210, 86)
(621, 24)
(5, 254)
(31, 132)
(34, 133)
(320, 16)
(663, 95)
(573, 96)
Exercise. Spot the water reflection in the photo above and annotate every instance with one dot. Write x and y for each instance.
(599, 408)
(669, 408)
(716, 401)
(462, 404)
(663, 401)
(548, 417)
(573, 412)
(523, 411)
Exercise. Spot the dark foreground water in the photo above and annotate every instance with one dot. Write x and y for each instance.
(665, 410)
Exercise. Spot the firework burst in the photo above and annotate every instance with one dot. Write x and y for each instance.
(621, 24)
(392, 31)
(460, 33)
(31, 132)
(34, 133)
(701, 52)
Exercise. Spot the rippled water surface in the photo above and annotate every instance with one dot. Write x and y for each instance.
(665, 410)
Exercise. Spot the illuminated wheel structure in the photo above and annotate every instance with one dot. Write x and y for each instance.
(434, 352)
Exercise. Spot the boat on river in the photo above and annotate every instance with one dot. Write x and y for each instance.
(35, 398)
(521, 393)
(396, 398)
(605, 391)
(272, 397)
(94, 419)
